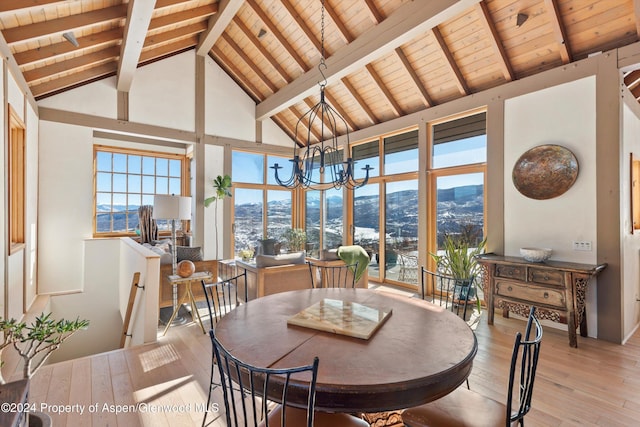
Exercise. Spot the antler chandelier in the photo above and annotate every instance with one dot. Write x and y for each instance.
(312, 163)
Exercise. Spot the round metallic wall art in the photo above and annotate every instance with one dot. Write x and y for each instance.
(545, 172)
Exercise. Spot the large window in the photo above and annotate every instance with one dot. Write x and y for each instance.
(324, 212)
(387, 206)
(127, 179)
(262, 208)
(458, 168)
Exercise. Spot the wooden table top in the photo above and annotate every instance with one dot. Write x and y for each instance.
(421, 352)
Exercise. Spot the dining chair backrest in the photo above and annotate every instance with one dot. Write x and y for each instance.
(449, 292)
(335, 275)
(224, 295)
(524, 362)
(245, 404)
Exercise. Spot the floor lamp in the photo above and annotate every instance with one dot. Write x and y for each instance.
(173, 208)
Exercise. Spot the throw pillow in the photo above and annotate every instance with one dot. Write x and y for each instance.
(189, 253)
(284, 259)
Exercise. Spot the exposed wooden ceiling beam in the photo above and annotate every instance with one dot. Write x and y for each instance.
(7, 6)
(301, 24)
(43, 53)
(360, 101)
(61, 25)
(135, 31)
(451, 62)
(240, 53)
(227, 9)
(559, 31)
(496, 44)
(426, 99)
(178, 33)
(165, 50)
(383, 89)
(632, 79)
(278, 35)
(342, 29)
(403, 25)
(226, 64)
(197, 13)
(335, 104)
(161, 4)
(12, 66)
(93, 59)
(74, 80)
(375, 14)
(264, 52)
(285, 126)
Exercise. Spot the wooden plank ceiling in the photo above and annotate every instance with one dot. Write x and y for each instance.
(385, 58)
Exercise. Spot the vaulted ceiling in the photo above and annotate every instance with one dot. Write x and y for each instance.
(385, 58)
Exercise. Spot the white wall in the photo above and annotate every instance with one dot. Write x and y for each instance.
(66, 205)
(20, 266)
(562, 115)
(163, 93)
(630, 241)
(229, 111)
(97, 99)
(3, 214)
(214, 162)
(31, 199)
(98, 302)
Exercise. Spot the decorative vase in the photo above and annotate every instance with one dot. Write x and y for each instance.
(186, 268)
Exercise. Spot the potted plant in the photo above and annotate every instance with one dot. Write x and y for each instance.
(35, 343)
(222, 187)
(296, 239)
(459, 261)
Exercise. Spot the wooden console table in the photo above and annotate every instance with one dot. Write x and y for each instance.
(556, 288)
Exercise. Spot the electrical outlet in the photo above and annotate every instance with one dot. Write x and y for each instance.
(582, 246)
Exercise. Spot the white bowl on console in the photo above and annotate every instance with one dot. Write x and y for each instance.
(535, 254)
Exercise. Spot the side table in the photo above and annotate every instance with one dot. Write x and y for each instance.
(187, 296)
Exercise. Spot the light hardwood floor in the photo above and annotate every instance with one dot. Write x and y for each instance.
(597, 384)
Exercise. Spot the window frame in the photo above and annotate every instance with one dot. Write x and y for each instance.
(184, 182)
(264, 187)
(17, 182)
(432, 178)
(381, 179)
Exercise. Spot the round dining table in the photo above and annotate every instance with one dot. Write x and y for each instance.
(419, 353)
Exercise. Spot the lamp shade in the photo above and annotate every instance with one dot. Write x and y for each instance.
(171, 207)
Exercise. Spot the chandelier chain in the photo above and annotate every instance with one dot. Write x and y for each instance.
(321, 165)
(322, 65)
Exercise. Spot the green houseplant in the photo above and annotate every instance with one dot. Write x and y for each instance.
(296, 239)
(37, 341)
(222, 187)
(459, 261)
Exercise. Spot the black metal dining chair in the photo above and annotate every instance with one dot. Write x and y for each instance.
(451, 293)
(222, 297)
(245, 403)
(332, 275)
(464, 407)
